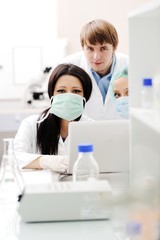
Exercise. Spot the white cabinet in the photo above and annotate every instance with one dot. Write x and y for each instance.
(144, 53)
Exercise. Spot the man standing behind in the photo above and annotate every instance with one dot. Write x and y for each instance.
(99, 41)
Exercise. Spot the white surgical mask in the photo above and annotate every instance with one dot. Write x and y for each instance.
(122, 106)
(68, 106)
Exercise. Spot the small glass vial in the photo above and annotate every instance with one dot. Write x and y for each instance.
(147, 93)
(11, 181)
(86, 167)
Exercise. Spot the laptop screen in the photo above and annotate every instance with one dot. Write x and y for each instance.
(110, 139)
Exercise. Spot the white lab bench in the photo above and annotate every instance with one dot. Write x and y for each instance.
(85, 230)
(13, 228)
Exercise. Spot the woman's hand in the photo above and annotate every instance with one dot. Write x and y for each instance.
(55, 163)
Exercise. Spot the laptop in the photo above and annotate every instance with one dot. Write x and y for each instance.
(110, 139)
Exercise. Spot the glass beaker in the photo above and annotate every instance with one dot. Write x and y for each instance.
(11, 181)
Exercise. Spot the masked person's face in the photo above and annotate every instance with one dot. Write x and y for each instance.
(68, 100)
(120, 87)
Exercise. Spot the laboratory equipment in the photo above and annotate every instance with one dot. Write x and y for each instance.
(86, 166)
(36, 94)
(54, 202)
(11, 181)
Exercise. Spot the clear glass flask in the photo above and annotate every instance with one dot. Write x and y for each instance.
(86, 167)
(11, 181)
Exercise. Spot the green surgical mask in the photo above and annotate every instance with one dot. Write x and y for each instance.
(68, 106)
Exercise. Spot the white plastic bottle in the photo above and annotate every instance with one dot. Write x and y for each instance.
(147, 93)
(85, 167)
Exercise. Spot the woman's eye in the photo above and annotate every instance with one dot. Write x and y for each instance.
(61, 91)
(117, 95)
(127, 93)
(77, 91)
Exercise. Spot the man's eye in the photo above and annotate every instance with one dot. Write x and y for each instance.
(104, 48)
(89, 48)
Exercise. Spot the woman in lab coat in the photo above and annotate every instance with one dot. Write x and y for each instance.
(99, 41)
(41, 141)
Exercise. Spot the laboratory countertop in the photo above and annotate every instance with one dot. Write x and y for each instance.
(13, 228)
(19, 106)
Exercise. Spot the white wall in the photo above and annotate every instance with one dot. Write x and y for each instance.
(32, 26)
(73, 14)
(28, 30)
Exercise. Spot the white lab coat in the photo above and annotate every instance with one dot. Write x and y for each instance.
(25, 141)
(95, 108)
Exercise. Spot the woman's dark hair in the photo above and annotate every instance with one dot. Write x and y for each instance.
(48, 131)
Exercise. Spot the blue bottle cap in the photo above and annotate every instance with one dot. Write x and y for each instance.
(85, 148)
(134, 228)
(147, 82)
